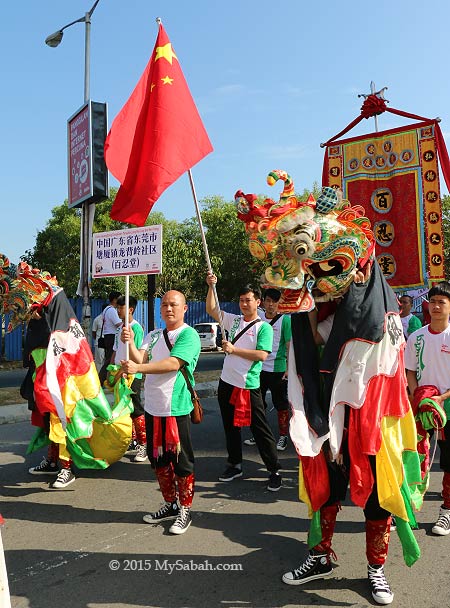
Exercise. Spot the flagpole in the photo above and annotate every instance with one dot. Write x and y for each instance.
(205, 247)
(127, 306)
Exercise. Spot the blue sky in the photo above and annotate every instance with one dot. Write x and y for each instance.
(271, 81)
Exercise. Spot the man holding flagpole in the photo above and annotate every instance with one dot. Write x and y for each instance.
(168, 404)
(239, 394)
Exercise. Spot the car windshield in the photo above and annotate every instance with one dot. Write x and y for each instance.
(205, 328)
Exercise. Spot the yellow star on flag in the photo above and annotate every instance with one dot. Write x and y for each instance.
(165, 51)
(167, 80)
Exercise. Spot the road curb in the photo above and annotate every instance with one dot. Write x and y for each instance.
(19, 412)
(10, 414)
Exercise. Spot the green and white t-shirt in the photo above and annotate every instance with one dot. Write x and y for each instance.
(428, 355)
(276, 361)
(167, 394)
(238, 371)
(120, 348)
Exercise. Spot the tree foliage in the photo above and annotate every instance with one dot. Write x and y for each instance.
(57, 250)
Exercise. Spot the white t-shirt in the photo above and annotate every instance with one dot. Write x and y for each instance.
(324, 328)
(405, 323)
(97, 327)
(236, 370)
(112, 320)
(167, 394)
(276, 361)
(120, 348)
(428, 354)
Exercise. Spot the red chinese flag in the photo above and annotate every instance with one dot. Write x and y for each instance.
(157, 136)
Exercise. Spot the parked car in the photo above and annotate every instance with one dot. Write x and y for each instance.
(210, 335)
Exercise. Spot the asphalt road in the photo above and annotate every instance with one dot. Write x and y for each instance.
(87, 547)
(208, 361)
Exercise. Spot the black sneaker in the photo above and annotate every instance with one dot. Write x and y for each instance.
(316, 565)
(169, 510)
(182, 522)
(393, 524)
(141, 454)
(442, 526)
(282, 443)
(274, 482)
(64, 479)
(131, 449)
(230, 473)
(46, 467)
(381, 592)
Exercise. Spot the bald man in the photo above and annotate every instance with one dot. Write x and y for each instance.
(168, 405)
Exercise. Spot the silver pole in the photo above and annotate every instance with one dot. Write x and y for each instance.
(205, 246)
(85, 231)
(372, 90)
(127, 306)
(86, 213)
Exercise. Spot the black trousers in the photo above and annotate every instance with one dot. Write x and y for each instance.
(183, 463)
(109, 348)
(339, 485)
(265, 441)
(136, 398)
(444, 447)
(273, 382)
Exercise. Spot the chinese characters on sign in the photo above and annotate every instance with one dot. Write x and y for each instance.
(127, 252)
(87, 173)
(79, 157)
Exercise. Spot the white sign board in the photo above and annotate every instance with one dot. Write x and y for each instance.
(127, 252)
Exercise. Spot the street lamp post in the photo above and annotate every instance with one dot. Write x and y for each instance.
(53, 41)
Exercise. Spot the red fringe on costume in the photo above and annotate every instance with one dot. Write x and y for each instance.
(240, 398)
(171, 441)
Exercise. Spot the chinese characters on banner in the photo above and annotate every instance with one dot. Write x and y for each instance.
(394, 175)
(127, 252)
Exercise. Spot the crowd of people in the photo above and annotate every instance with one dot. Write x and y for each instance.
(257, 345)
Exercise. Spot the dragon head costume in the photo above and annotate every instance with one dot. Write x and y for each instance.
(313, 248)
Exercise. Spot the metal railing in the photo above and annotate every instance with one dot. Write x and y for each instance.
(11, 344)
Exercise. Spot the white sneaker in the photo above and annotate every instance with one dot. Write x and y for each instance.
(64, 479)
(250, 441)
(442, 526)
(182, 522)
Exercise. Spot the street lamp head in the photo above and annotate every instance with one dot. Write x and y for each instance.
(54, 39)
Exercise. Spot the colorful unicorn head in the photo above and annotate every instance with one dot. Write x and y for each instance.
(314, 247)
(30, 289)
